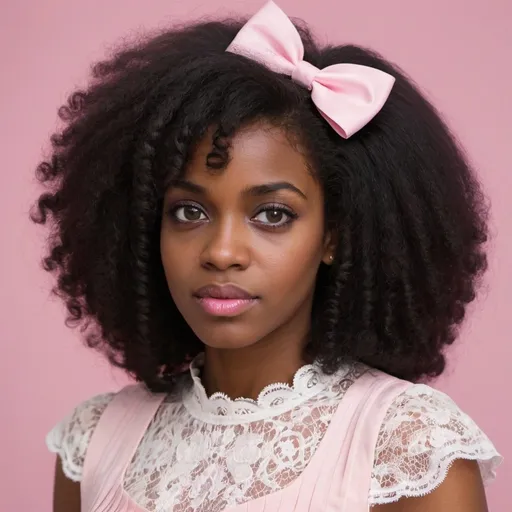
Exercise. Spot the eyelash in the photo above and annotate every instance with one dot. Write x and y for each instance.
(273, 207)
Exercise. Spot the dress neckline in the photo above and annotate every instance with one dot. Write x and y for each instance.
(360, 391)
(274, 399)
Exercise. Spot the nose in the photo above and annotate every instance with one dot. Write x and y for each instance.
(226, 247)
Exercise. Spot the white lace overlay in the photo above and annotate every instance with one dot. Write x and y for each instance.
(420, 437)
(219, 463)
(71, 436)
(208, 454)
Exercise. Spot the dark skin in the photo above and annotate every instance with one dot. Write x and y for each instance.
(236, 241)
(231, 227)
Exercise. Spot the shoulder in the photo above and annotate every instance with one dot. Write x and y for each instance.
(70, 437)
(423, 433)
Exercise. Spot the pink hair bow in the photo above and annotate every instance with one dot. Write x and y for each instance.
(348, 96)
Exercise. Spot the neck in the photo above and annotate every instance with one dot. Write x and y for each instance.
(244, 372)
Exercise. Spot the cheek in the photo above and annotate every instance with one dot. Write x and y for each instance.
(174, 260)
(293, 264)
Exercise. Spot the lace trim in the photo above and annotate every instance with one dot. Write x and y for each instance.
(423, 433)
(274, 399)
(211, 466)
(487, 467)
(70, 438)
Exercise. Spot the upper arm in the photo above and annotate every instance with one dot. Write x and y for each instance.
(66, 493)
(461, 491)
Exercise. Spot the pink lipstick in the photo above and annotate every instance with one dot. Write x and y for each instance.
(225, 300)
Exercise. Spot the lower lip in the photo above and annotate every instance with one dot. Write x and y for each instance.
(226, 307)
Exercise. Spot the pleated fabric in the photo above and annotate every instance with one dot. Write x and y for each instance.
(337, 478)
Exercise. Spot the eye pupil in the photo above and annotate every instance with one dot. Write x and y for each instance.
(274, 216)
(191, 213)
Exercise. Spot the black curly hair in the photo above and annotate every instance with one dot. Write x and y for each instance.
(406, 208)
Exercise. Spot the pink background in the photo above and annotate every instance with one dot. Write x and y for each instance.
(456, 49)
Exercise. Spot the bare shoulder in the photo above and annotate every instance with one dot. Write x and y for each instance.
(66, 493)
(461, 491)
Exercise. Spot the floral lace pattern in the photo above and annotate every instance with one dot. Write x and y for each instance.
(210, 461)
(71, 436)
(420, 437)
(235, 451)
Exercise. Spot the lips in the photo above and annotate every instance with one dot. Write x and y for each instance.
(224, 301)
(225, 292)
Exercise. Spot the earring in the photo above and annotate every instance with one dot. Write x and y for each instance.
(331, 258)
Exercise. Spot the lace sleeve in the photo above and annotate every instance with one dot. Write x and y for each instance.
(70, 438)
(422, 434)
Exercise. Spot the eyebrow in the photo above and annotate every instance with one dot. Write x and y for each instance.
(255, 191)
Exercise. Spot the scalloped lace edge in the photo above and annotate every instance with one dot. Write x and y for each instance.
(71, 470)
(259, 401)
(488, 463)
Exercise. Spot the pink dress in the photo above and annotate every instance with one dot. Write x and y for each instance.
(337, 443)
(336, 479)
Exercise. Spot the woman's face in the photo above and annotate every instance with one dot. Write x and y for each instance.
(241, 247)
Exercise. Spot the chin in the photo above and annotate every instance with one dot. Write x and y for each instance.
(227, 337)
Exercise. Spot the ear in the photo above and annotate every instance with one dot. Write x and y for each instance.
(329, 248)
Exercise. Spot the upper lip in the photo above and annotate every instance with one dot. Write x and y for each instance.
(225, 291)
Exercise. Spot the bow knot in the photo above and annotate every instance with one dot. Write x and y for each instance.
(304, 74)
(348, 96)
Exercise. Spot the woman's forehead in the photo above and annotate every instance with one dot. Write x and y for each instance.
(259, 153)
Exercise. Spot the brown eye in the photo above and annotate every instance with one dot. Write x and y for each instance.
(275, 217)
(189, 213)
